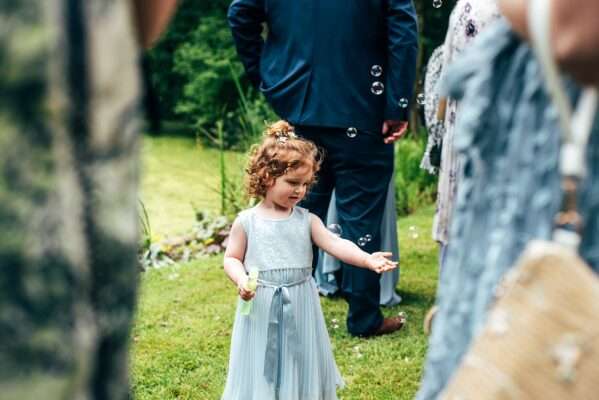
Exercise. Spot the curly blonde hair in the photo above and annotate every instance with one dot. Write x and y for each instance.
(280, 152)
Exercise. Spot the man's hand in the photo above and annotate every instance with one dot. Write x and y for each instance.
(394, 130)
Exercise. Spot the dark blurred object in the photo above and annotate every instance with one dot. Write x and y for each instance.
(70, 99)
(435, 154)
(151, 101)
(152, 17)
(435, 125)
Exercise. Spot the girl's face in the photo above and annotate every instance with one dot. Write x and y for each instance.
(290, 189)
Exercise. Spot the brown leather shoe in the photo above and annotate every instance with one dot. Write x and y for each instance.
(391, 325)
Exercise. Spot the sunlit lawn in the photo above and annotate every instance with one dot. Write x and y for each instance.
(182, 334)
(178, 174)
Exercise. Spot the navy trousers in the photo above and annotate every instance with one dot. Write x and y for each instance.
(359, 169)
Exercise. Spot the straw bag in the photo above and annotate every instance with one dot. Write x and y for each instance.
(541, 338)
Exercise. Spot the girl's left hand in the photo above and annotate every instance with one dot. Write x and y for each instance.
(245, 293)
(379, 262)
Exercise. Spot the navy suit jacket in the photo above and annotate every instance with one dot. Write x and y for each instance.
(315, 65)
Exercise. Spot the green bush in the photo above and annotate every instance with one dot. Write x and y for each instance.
(199, 79)
(414, 187)
(167, 83)
(203, 62)
(253, 115)
(214, 91)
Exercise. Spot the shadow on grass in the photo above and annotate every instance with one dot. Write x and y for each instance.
(172, 128)
(419, 299)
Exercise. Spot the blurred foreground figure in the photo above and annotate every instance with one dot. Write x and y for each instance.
(509, 148)
(69, 112)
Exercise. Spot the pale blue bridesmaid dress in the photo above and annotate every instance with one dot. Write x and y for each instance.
(282, 349)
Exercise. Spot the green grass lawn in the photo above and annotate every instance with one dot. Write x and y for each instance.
(182, 334)
(177, 173)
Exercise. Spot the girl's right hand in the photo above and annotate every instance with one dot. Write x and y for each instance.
(244, 292)
(379, 262)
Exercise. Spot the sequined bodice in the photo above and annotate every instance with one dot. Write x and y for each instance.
(277, 243)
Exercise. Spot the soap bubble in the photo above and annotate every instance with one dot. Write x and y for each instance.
(376, 70)
(377, 88)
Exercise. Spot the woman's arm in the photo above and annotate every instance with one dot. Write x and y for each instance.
(347, 251)
(233, 261)
(574, 34)
(152, 17)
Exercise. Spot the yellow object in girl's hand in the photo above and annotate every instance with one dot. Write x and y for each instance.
(251, 284)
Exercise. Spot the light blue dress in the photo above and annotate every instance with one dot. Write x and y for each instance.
(327, 264)
(282, 349)
(509, 189)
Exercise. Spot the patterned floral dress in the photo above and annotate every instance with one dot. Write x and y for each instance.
(467, 20)
(434, 126)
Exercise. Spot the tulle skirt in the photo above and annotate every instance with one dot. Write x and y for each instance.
(302, 362)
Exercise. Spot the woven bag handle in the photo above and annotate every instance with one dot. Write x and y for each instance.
(575, 125)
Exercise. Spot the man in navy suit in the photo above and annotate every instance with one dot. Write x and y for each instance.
(342, 72)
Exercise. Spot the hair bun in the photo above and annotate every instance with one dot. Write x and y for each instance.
(281, 130)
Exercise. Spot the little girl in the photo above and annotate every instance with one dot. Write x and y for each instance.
(281, 350)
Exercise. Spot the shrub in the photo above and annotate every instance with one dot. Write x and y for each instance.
(203, 62)
(414, 187)
(207, 236)
(198, 77)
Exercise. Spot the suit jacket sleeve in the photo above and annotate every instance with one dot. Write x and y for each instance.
(245, 19)
(402, 28)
